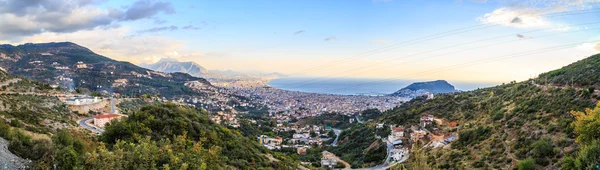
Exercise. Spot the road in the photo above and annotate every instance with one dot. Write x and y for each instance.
(387, 164)
(337, 136)
(358, 119)
(83, 123)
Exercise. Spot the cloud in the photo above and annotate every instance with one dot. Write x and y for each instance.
(146, 9)
(521, 36)
(591, 48)
(531, 13)
(158, 29)
(330, 38)
(190, 27)
(299, 32)
(117, 44)
(160, 21)
(19, 18)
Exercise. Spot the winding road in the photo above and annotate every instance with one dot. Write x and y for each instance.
(83, 122)
(337, 136)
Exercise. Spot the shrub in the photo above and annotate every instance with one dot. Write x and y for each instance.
(526, 164)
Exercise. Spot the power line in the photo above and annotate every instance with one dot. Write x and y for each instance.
(313, 81)
(542, 50)
(437, 36)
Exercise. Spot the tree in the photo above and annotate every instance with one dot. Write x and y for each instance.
(67, 158)
(526, 164)
(587, 124)
(587, 127)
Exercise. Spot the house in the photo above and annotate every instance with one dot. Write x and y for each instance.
(301, 150)
(398, 153)
(417, 135)
(328, 163)
(120, 82)
(270, 142)
(80, 64)
(429, 96)
(450, 138)
(379, 125)
(101, 120)
(426, 120)
(301, 135)
(396, 135)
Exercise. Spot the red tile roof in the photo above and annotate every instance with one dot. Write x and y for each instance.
(398, 129)
(106, 116)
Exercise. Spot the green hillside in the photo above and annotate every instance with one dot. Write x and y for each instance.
(161, 136)
(582, 73)
(509, 125)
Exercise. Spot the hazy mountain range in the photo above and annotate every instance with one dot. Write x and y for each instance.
(172, 65)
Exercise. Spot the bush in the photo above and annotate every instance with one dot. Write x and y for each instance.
(526, 164)
(16, 123)
(543, 148)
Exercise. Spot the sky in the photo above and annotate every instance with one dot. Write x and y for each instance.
(467, 41)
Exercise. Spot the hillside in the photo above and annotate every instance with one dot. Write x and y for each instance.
(582, 73)
(508, 125)
(423, 88)
(160, 136)
(75, 67)
(172, 66)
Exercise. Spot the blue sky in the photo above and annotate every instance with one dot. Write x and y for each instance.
(293, 37)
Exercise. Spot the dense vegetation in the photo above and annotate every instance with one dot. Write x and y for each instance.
(516, 125)
(502, 125)
(587, 128)
(162, 136)
(359, 147)
(332, 119)
(582, 73)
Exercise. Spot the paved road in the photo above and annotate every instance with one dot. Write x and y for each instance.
(113, 110)
(337, 136)
(358, 119)
(83, 123)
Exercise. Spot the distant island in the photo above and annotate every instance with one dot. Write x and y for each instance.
(425, 88)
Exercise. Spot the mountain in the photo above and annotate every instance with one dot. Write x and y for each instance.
(424, 88)
(77, 68)
(507, 126)
(172, 65)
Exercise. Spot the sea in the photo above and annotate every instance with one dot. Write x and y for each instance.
(357, 86)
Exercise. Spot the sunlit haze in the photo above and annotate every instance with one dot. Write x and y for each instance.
(400, 39)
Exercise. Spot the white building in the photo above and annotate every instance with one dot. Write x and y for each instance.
(80, 64)
(398, 153)
(328, 163)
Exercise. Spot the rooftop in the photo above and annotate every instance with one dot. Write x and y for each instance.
(106, 116)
